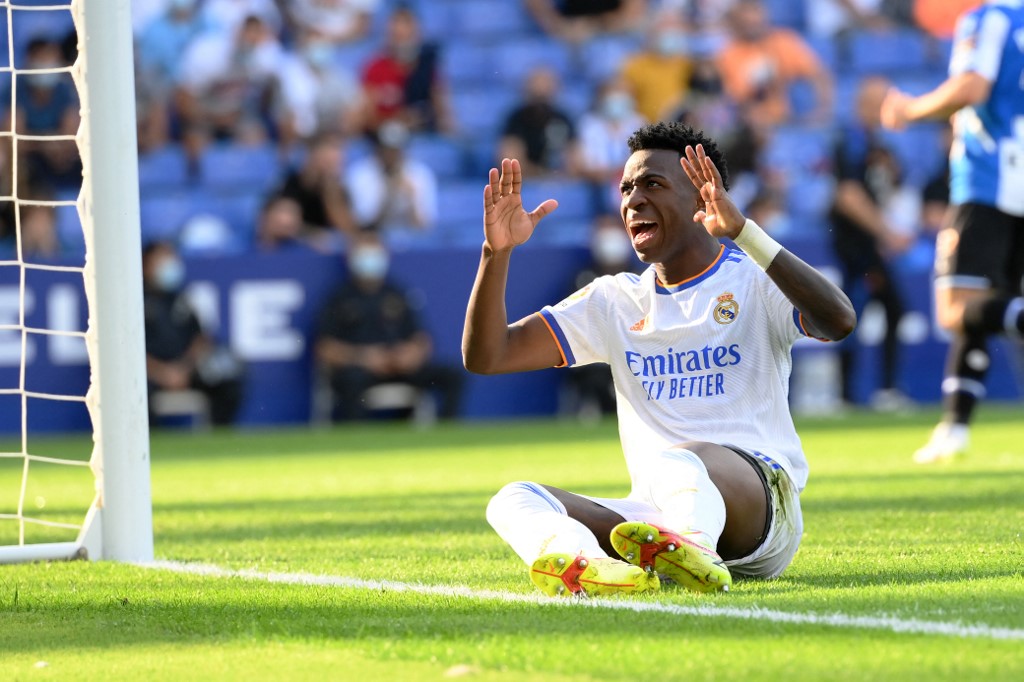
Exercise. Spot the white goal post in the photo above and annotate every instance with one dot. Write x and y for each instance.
(118, 525)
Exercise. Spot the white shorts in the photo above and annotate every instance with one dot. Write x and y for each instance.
(779, 546)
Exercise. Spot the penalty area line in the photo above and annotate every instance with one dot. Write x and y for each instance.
(835, 620)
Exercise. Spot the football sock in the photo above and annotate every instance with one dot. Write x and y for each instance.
(689, 501)
(996, 315)
(966, 366)
(534, 522)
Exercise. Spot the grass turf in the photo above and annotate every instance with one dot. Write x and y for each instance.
(885, 538)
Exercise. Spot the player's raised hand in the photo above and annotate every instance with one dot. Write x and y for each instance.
(894, 109)
(506, 222)
(720, 216)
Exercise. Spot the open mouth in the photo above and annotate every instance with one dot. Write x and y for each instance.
(642, 231)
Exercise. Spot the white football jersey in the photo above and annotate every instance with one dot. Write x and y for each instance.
(705, 359)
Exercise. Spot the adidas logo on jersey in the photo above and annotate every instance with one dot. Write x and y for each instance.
(639, 326)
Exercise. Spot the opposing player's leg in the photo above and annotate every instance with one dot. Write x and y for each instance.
(979, 263)
(555, 533)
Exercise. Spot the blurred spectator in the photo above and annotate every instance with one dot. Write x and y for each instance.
(761, 63)
(179, 354)
(389, 190)
(938, 17)
(768, 209)
(538, 132)
(603, 134)
(577, 21)
(39, 232)
(316, 186)
(280, 225)
(706, 106)
(659, 75)
(318, 95)
(832, 18)
(369, 334)
(164, 40)
(403, 82)
(227, 81)
(705, 17)
(868, 231)
(591, 387)
(333, 21)
(227, 16)
(47, 105)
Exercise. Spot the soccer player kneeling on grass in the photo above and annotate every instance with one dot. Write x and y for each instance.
(699, 347)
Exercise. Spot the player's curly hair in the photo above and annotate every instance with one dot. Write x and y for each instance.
(675, 137)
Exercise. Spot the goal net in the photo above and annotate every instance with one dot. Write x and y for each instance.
(71, 339)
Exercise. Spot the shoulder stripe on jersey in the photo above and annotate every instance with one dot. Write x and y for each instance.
(568, 359)
(798, 320)
(696, 279)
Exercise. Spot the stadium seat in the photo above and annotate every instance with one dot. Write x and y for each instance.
(481, 112)
(163, 169)
(576, 199)
(240, 210)
(441, 155)
(604, 55)
(30, 24)
(227, 166)
(794, 148)
(352, 57)
(809, 197)
(517, 57)
(461, 201)
(466, 63)
(480, 19)
(787, 13)
(920, 152)
(888, 52)
(162, 215)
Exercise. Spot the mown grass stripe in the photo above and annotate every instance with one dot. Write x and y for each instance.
(837, 620)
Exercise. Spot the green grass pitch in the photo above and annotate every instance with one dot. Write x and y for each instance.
(887, 542)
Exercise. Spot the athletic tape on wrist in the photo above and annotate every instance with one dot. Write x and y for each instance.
(756, 243)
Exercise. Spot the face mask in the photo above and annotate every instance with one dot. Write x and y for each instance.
(319, 54)
(369, 263)
(617, 105)
(170, 275)
(611, 247)
(672, 43)
(44, 81)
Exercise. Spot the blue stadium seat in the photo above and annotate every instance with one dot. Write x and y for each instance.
(466, 63)
(576, 98)
(162, 215)
(809, 197)
(441, 155)
(353, 57)
(229, 166)
(794, 149)
(888, 52)
(30, 24)
(920, 151)
(482, 19)
(461, 201)
(481, 112)
(69, 228)
(515, 58)
(604, 55)
(435, 18)
(163, 169)
(556, 231)
(576, 200)
(788, 13)
(240, 210)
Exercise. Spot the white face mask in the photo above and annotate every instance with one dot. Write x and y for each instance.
(170, 275)
(369, 263)
(617, 105)
(611, 247)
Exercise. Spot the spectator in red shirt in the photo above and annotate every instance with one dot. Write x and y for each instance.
(403, 82)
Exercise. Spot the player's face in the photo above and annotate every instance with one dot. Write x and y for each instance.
(658, 203)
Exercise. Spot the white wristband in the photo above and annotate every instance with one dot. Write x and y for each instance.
(761, 248)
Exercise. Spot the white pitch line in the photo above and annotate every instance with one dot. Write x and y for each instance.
(837, 620)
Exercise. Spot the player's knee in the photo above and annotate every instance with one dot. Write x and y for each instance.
(518, 496)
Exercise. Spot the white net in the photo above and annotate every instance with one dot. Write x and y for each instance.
(46, 484)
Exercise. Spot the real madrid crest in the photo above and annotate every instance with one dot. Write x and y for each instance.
(727, 309)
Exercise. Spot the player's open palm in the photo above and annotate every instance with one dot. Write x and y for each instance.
(720, 216)
(506, 222)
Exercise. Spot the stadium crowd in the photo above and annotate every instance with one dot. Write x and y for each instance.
(271, 126)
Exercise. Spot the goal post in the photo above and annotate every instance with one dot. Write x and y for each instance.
(118, 525)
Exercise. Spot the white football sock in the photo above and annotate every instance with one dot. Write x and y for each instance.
(689, 502)
(534, 522)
